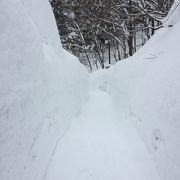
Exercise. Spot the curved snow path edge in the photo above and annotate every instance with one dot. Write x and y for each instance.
(100, 145)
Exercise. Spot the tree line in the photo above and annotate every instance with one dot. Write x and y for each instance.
(101, 32)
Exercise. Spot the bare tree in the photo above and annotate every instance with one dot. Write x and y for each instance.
(94, 30)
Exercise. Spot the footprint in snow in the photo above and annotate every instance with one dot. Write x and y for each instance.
(84, 174)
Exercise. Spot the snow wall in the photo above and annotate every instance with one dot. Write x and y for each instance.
(145, 89)
(41, 88)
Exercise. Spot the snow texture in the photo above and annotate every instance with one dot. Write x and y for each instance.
(129, 126)
(146, 89)
(101, 145)
(41, 88)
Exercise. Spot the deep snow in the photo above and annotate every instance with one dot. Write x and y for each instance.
(129, 126)
(41, 88)
(101, 145)
(146, 89)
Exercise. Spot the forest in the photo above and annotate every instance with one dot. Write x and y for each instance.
(102, 32)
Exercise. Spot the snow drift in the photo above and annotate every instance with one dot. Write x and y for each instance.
(41, 88)
(146, 89)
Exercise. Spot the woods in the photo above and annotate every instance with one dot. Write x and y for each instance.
(102, 32)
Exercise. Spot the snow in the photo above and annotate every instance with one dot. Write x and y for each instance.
(173, 15)
(101, 145)
(58, 122)
(41, 88)
(146, 89)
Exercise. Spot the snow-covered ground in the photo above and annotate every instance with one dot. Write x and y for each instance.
(129, 126)
(101, 145)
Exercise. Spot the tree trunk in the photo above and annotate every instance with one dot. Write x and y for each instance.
(109, 51)
(130, 28)
(152, 22)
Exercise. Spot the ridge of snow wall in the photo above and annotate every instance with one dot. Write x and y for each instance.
(146, 89)
(42, 87)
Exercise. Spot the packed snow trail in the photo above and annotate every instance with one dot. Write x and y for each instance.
(101, 146)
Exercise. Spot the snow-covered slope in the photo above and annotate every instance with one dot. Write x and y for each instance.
(142, 92)
(41, 88)
(146, 90)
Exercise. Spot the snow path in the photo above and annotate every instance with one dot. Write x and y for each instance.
(100, 145)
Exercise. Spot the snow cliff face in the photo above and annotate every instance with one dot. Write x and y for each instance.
(41, 88)
(146, 89)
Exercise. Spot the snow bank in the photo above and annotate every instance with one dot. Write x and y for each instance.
(146, 88)
(173, 15)
(41, 88)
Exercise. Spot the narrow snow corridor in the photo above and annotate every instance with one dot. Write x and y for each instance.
(59, 122)
(101, 146)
